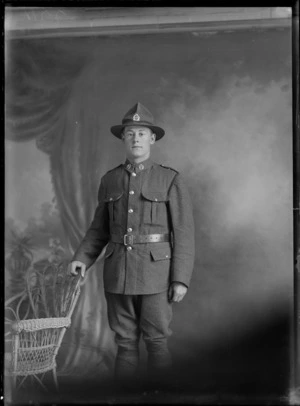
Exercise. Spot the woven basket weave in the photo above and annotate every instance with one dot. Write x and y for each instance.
(35, 342)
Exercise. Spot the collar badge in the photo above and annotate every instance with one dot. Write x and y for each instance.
(136, 117)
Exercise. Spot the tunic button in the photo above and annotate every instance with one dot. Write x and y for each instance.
(110, 199)
(141, 167)
(129, 229)
(129, 248)
(128, 166)
(133, 174)
(130, 211)
(155, 199)
(131, 192)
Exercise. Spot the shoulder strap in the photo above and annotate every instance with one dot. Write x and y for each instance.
(168, 167)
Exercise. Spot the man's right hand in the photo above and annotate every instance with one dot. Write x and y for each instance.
(76, 266)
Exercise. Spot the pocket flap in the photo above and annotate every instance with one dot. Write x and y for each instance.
(109, 249)
(155, 196)
(161, 253)
(113, 196)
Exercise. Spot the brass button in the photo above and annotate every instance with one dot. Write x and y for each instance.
(110, 199)
(141, 167)
(155, 199)
(129, 229)
(128, 166)
(167, 256)
(131, 192)
(129, 248)
(133, 174)
(130, 211)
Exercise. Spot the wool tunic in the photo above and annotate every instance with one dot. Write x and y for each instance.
(138, 200)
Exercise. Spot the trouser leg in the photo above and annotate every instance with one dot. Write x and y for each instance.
(156, 315)
(126, 361)
(123, 320)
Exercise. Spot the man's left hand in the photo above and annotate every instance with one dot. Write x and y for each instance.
(177, 291)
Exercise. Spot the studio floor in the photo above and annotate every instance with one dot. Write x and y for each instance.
(75, 390)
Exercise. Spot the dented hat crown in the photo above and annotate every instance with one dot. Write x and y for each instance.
(140, 116)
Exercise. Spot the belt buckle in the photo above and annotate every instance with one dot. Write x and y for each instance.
(130, 239)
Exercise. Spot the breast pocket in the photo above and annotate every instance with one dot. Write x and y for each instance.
(113, 201)
(155, 207)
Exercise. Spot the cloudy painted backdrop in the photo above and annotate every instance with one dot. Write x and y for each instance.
(225, 101)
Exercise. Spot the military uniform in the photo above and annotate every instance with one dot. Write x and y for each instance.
(144, 217)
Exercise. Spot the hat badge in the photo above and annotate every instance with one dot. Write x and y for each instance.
(136, 117)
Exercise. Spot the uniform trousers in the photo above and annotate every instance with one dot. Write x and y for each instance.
(133, 316)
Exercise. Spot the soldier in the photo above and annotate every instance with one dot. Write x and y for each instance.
(144, 218)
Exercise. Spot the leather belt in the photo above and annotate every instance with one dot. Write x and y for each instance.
(130, 239)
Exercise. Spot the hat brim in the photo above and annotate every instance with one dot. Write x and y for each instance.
(118, 129)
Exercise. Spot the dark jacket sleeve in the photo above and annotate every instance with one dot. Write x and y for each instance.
(183, 232)
(97, 235)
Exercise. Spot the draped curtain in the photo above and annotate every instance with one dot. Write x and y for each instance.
(45, 101)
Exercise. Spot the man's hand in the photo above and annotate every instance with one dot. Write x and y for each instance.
(177, 291)
(76, 266)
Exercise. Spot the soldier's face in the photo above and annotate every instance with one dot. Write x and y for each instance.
(138, 141)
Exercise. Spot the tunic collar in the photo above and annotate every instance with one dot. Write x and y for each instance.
(129, 166)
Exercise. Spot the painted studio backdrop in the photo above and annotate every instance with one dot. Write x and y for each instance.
(225, 101)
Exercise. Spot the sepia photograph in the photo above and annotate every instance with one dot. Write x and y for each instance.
(149, 229)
